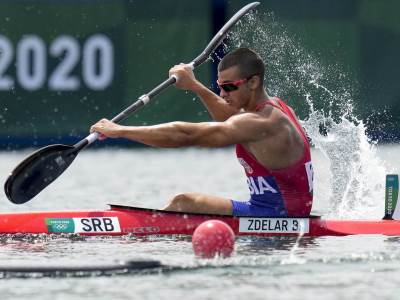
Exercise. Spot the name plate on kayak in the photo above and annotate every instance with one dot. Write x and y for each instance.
(274, 225)
(83, 225)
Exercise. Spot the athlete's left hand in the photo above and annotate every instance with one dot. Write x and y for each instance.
(107, 129)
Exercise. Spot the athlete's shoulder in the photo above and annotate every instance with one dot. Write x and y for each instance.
(273, 113)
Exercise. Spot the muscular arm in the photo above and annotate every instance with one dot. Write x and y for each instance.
(216, 106)
(241, 128)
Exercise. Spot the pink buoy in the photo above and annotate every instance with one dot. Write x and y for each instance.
(213, 238)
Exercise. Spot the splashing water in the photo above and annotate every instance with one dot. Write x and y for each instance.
(293, 259)
(324, 99)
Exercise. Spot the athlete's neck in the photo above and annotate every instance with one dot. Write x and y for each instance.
(255, 99)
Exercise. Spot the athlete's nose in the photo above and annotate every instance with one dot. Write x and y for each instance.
(222, 93)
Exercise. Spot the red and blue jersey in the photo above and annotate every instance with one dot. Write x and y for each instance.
(285, 192)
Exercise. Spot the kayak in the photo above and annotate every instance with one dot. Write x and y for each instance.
(127, 220)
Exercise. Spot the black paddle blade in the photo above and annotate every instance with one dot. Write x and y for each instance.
(37, 171)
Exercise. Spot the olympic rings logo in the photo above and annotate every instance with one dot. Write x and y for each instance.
(60, 226)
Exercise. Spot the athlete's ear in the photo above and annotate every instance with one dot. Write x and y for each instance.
(254, 82)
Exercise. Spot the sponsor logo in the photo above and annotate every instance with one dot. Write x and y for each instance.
(141, 230)
(83, 225)
(274, 225)
(60, 161)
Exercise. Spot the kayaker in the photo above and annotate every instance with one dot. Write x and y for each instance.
(270, 143)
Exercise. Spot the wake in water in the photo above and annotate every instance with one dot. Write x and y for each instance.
(323, 96)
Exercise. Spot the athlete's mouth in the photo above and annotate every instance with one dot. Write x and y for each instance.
(228, 101)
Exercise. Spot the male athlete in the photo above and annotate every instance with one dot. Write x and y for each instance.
(270, 143)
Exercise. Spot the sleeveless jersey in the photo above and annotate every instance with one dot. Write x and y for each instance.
(288, 191)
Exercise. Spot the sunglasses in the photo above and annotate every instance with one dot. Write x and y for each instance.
(230, 86)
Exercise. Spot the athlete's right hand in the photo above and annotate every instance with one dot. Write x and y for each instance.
(185, 77)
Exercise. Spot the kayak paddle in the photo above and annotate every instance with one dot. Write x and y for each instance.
(45, 165)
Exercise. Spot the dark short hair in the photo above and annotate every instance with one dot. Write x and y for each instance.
(247, 61)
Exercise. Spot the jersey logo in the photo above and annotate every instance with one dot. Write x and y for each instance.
(245, 165)
(259, 186)
(310, 175)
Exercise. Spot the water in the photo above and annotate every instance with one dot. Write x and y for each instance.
(284, 268)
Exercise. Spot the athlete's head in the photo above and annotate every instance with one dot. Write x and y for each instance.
(247, 61)
(240, 73)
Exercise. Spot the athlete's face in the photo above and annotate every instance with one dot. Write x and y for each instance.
(233, 88)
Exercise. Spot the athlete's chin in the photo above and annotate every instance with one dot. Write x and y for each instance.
(230, 103)
(235, 106)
